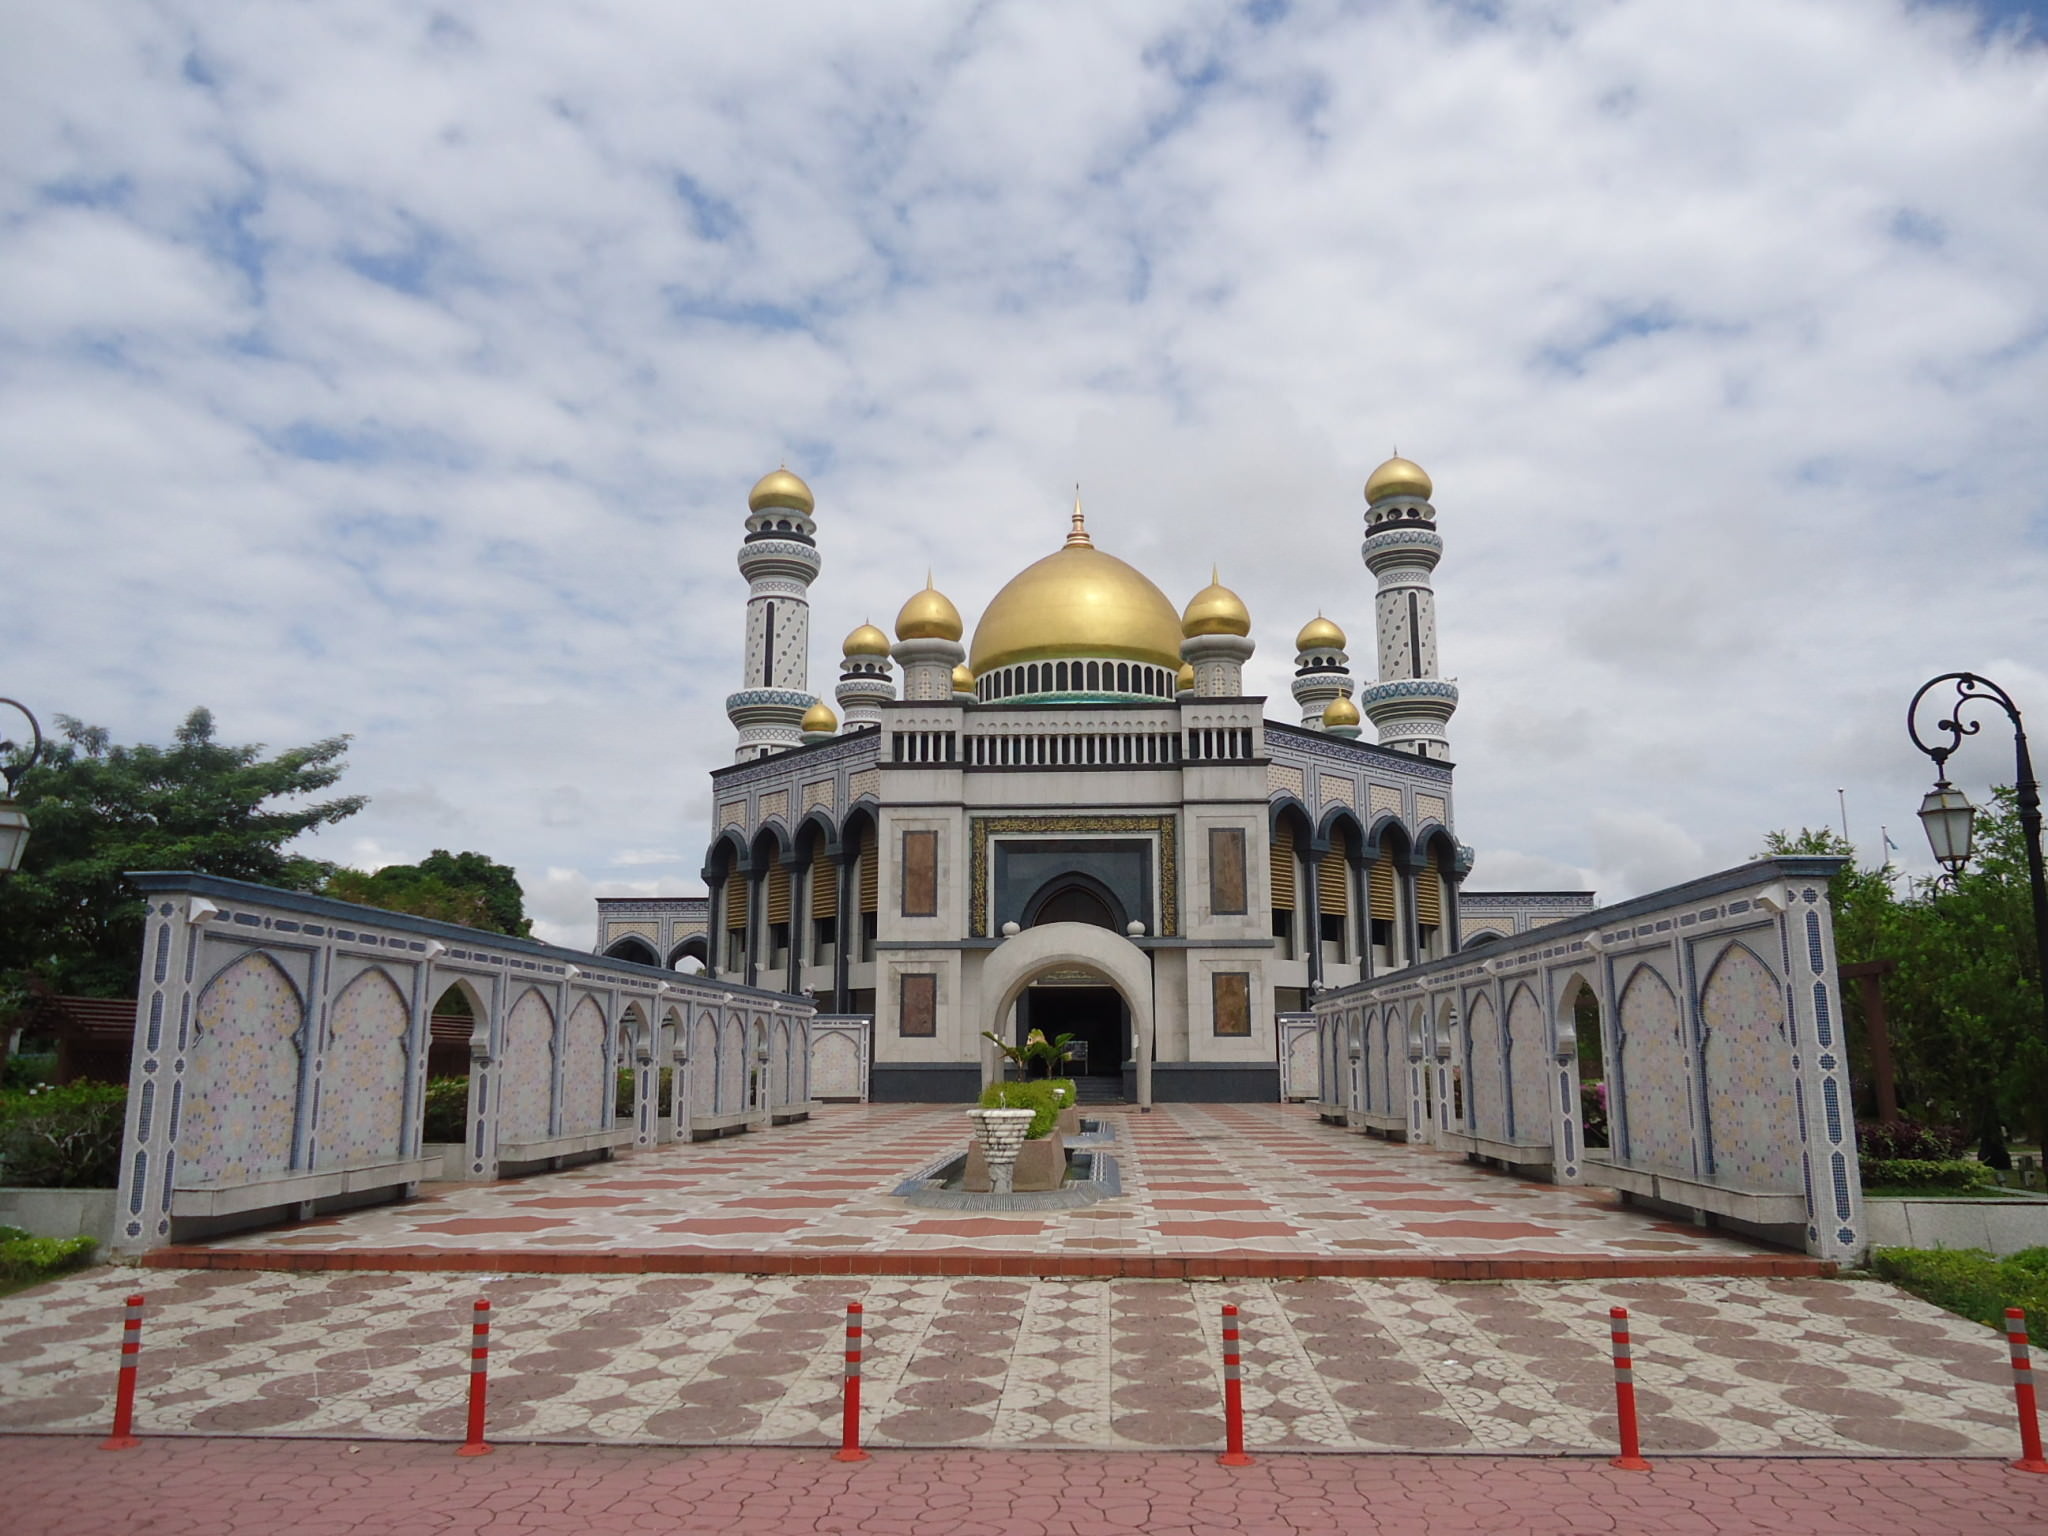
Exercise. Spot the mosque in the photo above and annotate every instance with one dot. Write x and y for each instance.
(1076, 821)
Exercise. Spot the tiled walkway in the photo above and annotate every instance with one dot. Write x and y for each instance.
(1750, 1367)
(247, 1488)
(1248, 1190)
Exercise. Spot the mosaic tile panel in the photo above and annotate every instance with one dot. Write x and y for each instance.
(528, 1078)
(362, 1086)
(586, 1103)
(1530, 1066)
(245, 1051)
(703, 1066)
(1384, 801)
(1654, 1076)
(1489, 1078)
(1748, 1066)
(1284, 780)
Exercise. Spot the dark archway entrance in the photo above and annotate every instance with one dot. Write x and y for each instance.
(1095, 1016)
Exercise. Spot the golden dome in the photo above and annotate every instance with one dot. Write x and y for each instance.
(929, 615)
(1215, 610)
(866, 641)
(779, 488)
(1186, 680)
(819, 718)
(1077, 601)
(1319, 634)
(1339, 711)
(1397, 477)
(963, 680)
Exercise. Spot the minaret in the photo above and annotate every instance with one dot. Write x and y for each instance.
(1216, 627)
(865, 681)
(1321, 674)
(780, 560)
(1409, 704)
(928, 648)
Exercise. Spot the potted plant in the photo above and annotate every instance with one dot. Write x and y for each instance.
(1042, 1160)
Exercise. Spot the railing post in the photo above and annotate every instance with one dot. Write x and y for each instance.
(479, 1375)
(1631, 1457)
(123, 1437)
(849, 1421)
(2023, 1392)
(1233, 1395)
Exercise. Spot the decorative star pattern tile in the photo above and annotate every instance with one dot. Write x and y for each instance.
(1200, 1181)
(1750, 1367)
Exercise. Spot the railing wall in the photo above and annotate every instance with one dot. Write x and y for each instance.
(280, 1054)
(1726, 1077)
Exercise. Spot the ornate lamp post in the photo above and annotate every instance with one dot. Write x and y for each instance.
(1949, 817)
(13, 823)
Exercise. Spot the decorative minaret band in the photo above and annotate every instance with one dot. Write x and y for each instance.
(1320, 674)
(1409, 704)
(780, 561)
(1217, 628)
(865, 680)
(928, 646)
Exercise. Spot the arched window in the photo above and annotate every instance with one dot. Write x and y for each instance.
(1123, 677)
(1094, 677)
(1062, 672)
(1031, 678)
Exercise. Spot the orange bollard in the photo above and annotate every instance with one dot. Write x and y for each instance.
(1233, 1395)
(2023, 1392)
(479, 1369)
(1631, 1457)
(849, 1423)
(123, 1438)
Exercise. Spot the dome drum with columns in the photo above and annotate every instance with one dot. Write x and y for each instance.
(1075, 819)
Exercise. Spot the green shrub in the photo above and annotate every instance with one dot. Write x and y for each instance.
(29, 1069)
(622, 1104)
(447, 1111)
(1882, 1140)
(62, 1138)
(1970, 1282)
(1064, 1087)
(1036, 1097)
(33, 1258)
(1924, 1173)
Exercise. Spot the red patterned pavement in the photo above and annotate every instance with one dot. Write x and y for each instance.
(64, 1487)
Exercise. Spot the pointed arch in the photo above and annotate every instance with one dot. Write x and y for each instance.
(634, 948)
(244, 1064)
(1486, 1054)
(526, 1081)
(587, 1089)
(363, 1075)
(1746, 1073)
(1656, 1120)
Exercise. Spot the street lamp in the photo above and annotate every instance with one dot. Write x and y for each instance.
(1949, 817)
(13, 823)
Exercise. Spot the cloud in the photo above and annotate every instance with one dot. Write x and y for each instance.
(402, 373)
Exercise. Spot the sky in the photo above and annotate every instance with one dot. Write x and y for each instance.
(400, 369)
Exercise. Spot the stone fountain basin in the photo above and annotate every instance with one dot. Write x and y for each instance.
(1041, 1165)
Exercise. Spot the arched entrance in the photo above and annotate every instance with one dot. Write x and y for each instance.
(1100, 960)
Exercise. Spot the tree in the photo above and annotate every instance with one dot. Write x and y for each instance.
(98, 810)
(1964, 1006)
(465, 888)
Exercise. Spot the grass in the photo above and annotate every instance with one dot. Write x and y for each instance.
(1970, 1282)
(1922, 1192)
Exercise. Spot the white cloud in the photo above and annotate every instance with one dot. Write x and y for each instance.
(402, 373)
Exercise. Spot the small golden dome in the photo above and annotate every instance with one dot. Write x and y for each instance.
(1339, 711)
(1319, 634)
(779, 488)
(1077, 601)
(1215, 610)
(963, 680)
(929, 615)
(1397, 477)
(819, 718)
(866, 641)
(1186, 680)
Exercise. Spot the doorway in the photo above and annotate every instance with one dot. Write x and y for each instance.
(1094, 1016)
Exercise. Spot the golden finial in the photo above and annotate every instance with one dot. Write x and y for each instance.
(1077, 536)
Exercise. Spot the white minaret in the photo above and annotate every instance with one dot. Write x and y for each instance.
(780, 561)
(865, 681)
(1321, 672)
(1409, 704)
